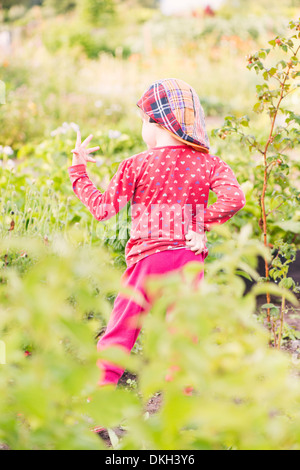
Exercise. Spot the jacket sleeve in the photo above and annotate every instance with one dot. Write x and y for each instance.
(230, 197)
(105, 205)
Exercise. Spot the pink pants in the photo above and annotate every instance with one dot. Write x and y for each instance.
(119, 331)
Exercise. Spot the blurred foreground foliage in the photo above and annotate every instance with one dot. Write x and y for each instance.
(57, 264)
(246, 395)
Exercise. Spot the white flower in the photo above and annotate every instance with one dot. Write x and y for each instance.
(116, 107)
(114, 134)
(58, 131)
(65, 128)
(10, 164)
(7, 150)
(98, 103)
(74, 126)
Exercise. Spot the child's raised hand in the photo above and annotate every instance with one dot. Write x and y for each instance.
(81, 153)
(196, 241)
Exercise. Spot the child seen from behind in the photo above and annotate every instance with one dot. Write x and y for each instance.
(168, 186)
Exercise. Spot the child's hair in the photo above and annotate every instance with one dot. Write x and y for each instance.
(174, 105)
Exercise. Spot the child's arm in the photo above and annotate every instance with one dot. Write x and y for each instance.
(230, 196)
(230, 200)
(105, 205)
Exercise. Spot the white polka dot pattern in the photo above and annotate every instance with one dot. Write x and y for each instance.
(169, 189)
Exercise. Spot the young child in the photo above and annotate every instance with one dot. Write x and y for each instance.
(169, 186)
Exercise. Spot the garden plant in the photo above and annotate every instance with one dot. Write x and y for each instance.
(235, 385)
(278, 195)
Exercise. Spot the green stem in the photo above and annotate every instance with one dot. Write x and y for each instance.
(281, 322)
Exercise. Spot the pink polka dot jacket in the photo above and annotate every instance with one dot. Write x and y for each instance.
(168, 188)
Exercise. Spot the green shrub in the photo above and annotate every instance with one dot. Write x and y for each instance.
(61, 6)
(95, 11)
(245, 394)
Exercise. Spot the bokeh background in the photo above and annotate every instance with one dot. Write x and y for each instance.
(88, 61)
(83, 64)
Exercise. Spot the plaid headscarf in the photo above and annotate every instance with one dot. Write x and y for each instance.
(175, 105)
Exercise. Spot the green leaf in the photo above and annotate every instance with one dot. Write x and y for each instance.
(272, 71)
(258, 107)
(269, 306)
(245, 275)
(288, 283)
(282, 63)
(245, 121)
(75, 219)
(273, 289)
(289, 226)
